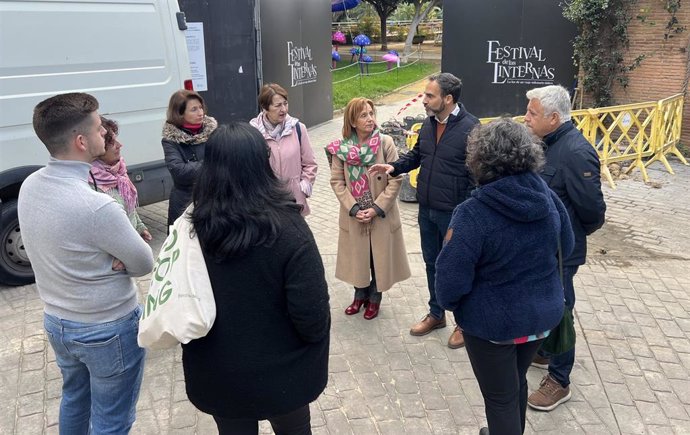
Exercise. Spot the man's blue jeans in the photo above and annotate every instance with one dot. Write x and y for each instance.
(561, 365)
(102, 366)
(433, 225)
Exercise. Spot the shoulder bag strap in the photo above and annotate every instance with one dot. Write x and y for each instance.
(299, 133)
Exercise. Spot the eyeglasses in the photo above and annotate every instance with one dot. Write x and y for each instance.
(279, 105)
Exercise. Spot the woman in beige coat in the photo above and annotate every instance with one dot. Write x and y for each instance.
(371, 249)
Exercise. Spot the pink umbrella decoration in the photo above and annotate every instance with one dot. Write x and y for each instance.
(391, 59)
(338, 37)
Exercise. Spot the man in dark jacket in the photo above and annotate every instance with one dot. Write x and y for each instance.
(572, 172)
(442, 184)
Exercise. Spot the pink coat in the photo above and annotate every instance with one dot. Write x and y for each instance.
(291, 162)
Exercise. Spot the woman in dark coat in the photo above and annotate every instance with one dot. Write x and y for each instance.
(266, 356)
(185, 133)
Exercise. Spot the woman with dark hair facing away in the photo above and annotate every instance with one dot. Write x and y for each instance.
(292, 158)
(109, 175)
(498, 270)
(266, 356)
(371, 249)
(185, 133)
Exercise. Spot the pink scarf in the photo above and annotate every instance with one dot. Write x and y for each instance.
(358, 157)
(115, 176)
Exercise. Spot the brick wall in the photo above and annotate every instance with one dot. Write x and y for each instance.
(663, 72)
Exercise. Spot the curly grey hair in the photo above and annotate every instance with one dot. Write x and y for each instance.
(554, 99)
(502, 148)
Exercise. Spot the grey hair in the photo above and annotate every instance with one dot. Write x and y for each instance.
(502, 148)
(449, 84)
(554, 99)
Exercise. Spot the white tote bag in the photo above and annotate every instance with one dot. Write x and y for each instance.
(179, 306)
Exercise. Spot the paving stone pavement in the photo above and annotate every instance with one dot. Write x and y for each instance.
(632, 370)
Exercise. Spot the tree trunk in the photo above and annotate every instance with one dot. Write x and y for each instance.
(384, 36)
(419, 16)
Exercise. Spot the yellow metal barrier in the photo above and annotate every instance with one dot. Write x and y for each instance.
(668, 131)
(631, 133)
(620, 134)
(410, 141)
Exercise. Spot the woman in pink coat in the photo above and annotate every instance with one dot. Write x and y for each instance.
(292, 158)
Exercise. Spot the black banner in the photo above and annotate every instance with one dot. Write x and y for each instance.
(296, 54)
(502, 48)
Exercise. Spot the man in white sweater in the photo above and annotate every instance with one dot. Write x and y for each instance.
(84, 253)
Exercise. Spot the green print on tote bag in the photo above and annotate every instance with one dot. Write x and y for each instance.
(179, 306)
(164, 263)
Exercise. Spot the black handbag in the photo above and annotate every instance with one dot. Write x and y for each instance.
(562, 337)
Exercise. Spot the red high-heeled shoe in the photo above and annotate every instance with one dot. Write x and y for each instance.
(372, 310)
(355, 306)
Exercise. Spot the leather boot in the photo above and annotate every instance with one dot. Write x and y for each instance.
(356, 305)
(372, 310)
(374, 302)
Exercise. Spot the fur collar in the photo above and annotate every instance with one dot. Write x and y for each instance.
(178, 135)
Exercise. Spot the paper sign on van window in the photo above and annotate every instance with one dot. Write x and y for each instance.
(197, 55)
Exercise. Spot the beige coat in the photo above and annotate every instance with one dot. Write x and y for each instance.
(387, 244)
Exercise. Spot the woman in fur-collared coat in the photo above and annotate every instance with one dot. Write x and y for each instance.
(185, 133)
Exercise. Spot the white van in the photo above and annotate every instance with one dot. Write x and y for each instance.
(131, 55)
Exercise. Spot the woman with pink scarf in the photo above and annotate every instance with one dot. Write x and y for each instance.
(292, 158)
(371, 249)
(109, 175)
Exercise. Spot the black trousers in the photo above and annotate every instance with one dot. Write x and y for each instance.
(501, 370)
(370, 292)
(297, 422)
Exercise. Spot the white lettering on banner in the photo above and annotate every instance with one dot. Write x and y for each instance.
(300, 61)
(519, 65)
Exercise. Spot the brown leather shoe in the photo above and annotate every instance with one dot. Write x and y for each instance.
(426, 325)
(456, 339)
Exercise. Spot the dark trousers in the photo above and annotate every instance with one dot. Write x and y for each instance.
(501, 370)
(561, 365)
(297, 422)
(371, 293)
(433, 225)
